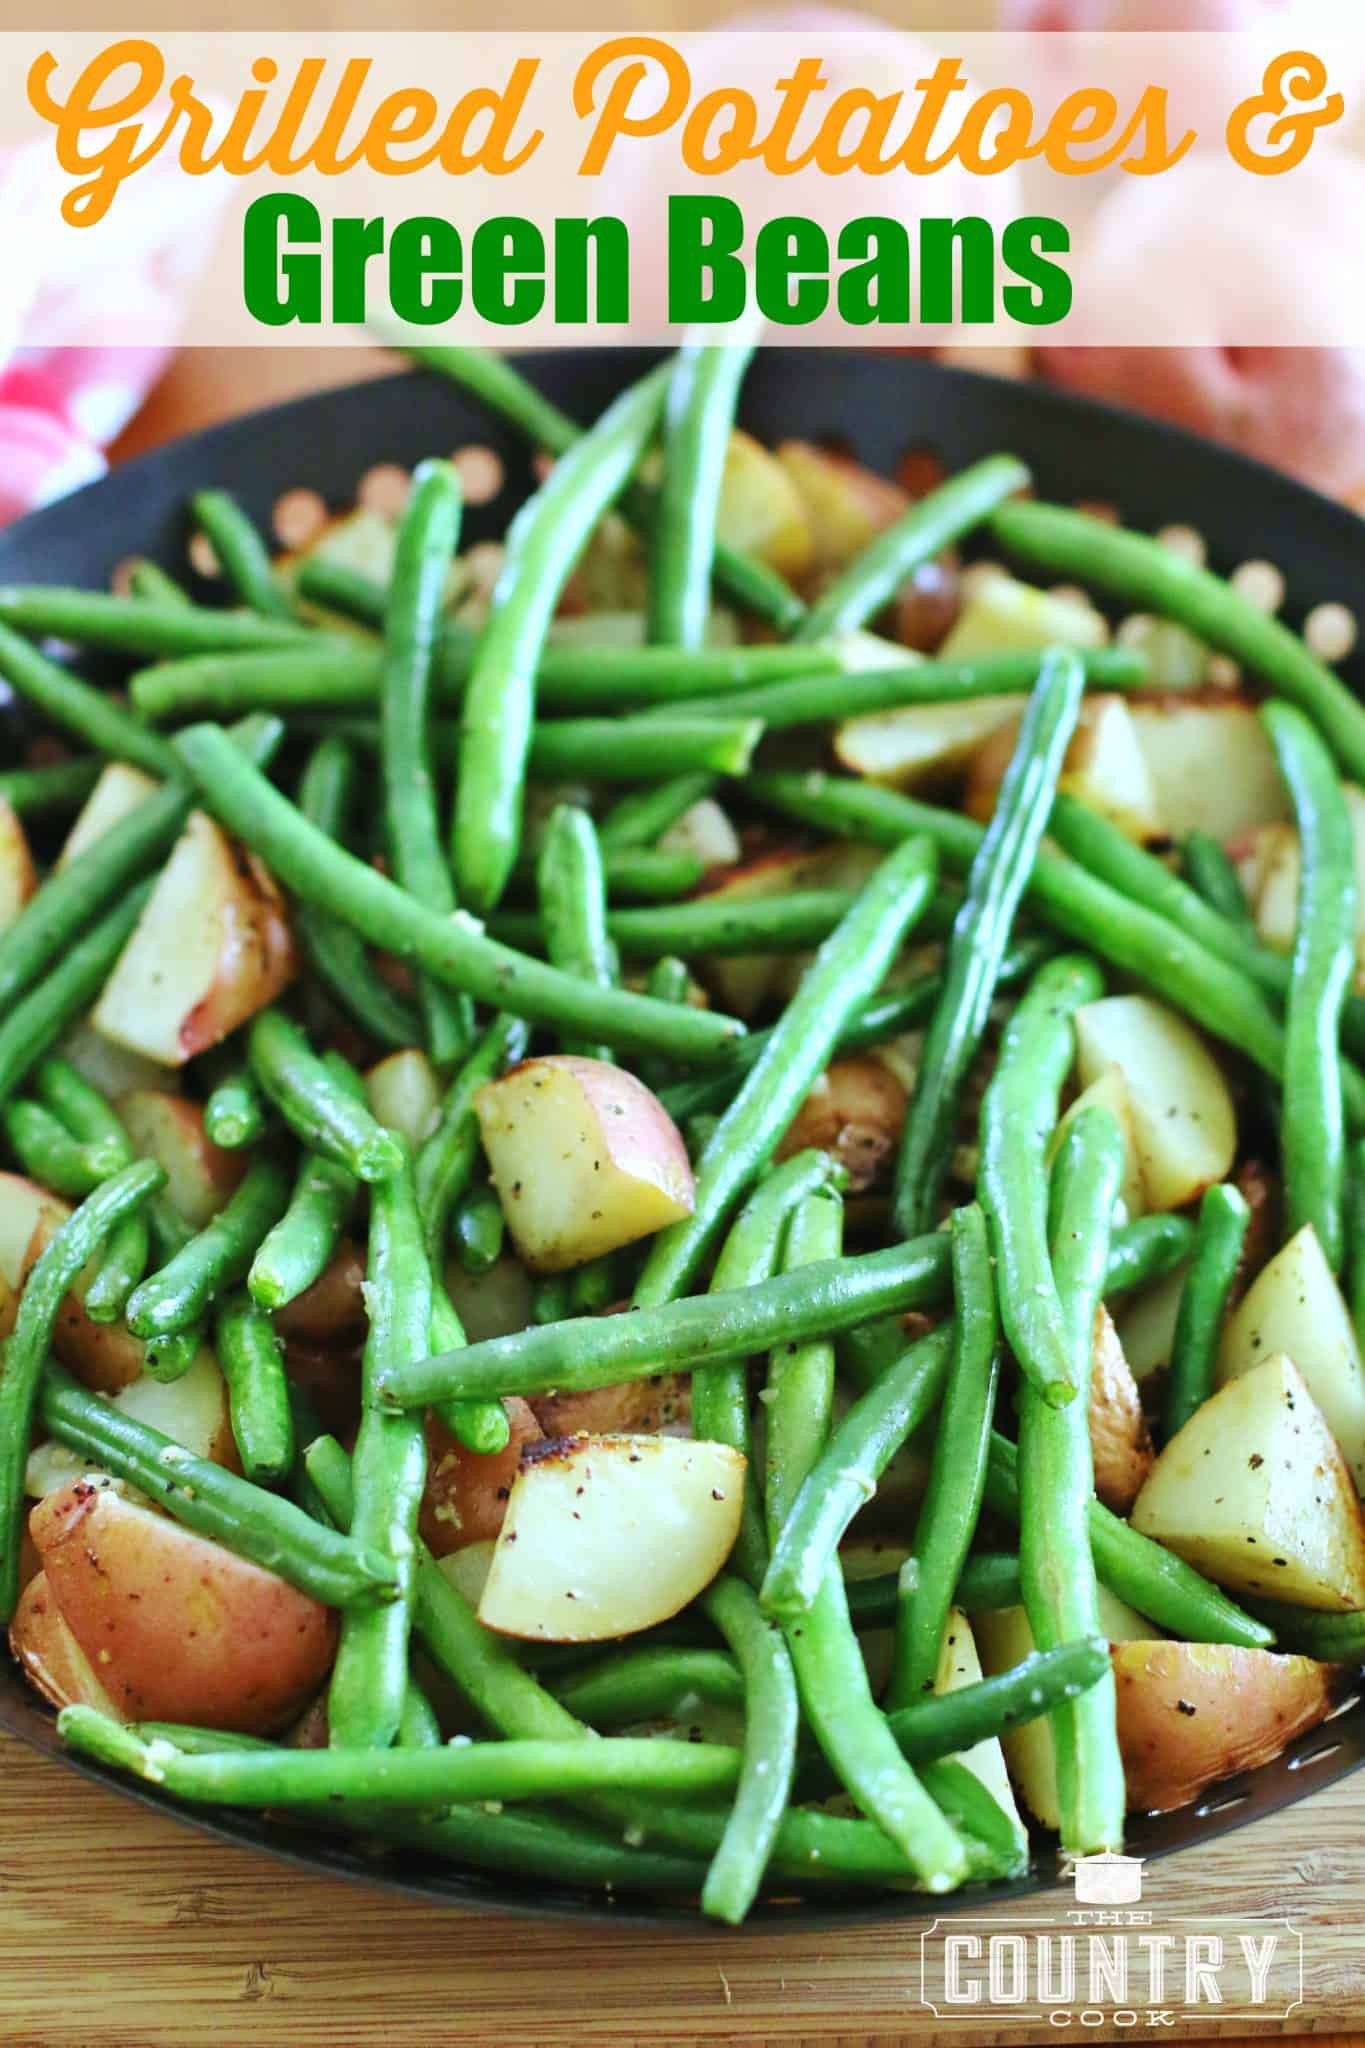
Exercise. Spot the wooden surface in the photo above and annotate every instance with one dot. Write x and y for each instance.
(122, 1930)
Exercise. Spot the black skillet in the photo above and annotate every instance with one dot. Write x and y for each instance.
(877, 407)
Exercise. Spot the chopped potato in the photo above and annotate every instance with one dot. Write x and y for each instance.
(1183, 1119)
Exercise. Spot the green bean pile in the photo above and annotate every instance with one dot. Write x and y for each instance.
(675, 1015)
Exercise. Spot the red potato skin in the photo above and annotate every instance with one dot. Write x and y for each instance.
(333, 1309)
(177, 1628)
(49, 1655)
(105, 1357)
(201, 1177)
(465, 1498)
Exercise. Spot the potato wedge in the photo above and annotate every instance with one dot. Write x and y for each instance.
(24, 1204)
(705, 832)
(959, 1664)
(921, 746)
(761, 512)
(200, 1176)
(120, 789)
(1211, 766)
(332, 1310)
(1254, 1492)
(491, 1304)
(465, 1497)
(178, 1628)
(1001, 615)
(404, 1094)
(855, 1112)
(1120, 1442)
(1103, 767)
(632, 1408)
(1183, 1119)
(111, 1068)
(1109, 1091)
(847, 505)
(1294, 1305)
(584, 1158)
(192, 1411)
(49, 1655)
(1146, 1325)
(212, 947)
(607, 1535)
(18, 876)
(1191, 1713)
(1275, 880)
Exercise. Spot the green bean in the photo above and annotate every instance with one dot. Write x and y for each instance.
(1332, 1638)
(447, 1157)
(636, 1685)
(640, 818)
(427, 538)
(126, 625)
(365, 1698)
(663, 746)
(573, 908)
(72, 897)
(242, 555)
(1018, 1115)
(981, 931)
(122, 1265)
(148, 580)
(1223, 1220)
(55, 1271)
(235, 1109)
(318, 1108)
(48, 1153)
(405, 1777)
(1150, 577)
(988, 1581)
(36, 1022)
(709, 924)
(167, 1228)
(453, 949)
(211, 1500)
(883, 1016)
(644, 874)
(60, 786)
(550, 1298)
(844, 974)
(64, 1090)
(418, 1727)
(336, 953)
(1057, 1489)
(543, 542)
(477, 1228)
(957, 1477)
(825, 1653)
(1161, 1586)
(258, 1393)
(1355, 1233)
(169, 1357)
(295, 677)
(772, 1718)
(676, 1335)
(215, 1259)
(844, 1476)
(1105, 851)
(703, 390)
(931, 524)
(197, 1741)
(1211, 874)
(78, 707)
(1225, 1001)
(1147, 1249)
(481, 1426)
(811, 700)
(809, 1846)
(940, 1725)
(494, 381)
(1313, 1134)
(296, 1251)
(595, 1286)
(720, 1393)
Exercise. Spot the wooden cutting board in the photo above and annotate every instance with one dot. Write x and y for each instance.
(119, 1929)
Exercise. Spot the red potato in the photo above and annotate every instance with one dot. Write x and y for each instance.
(1120, 1442)
(200, 1176)
(632, 1408)
(465, 1497)
(192, 1411)
(104, 1356)
(178, 1628)
(1190, 1713)
(855, 1112)
(23, 1206)
(333, 1308)
(18, 876)
(584, 1158)
(49, 1655)
(847, 505)
(212, 947)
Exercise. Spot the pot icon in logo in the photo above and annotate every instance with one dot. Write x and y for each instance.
(1107, 1879)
